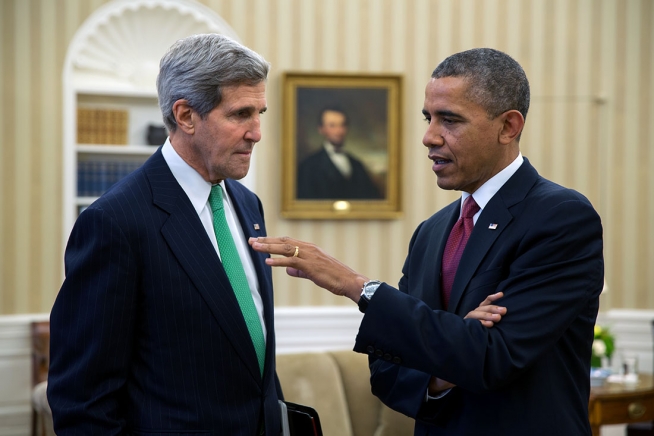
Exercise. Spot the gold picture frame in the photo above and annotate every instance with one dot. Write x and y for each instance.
(312, 185)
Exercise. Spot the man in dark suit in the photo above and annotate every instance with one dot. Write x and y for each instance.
(160, 326)
(536, 242)
(332, 173)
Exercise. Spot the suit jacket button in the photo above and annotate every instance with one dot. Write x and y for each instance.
(397, 360)
(387, 357)
(370, 349)
(379, 353)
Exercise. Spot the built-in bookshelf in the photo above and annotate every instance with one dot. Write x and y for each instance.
(110, 98)
(111, 139)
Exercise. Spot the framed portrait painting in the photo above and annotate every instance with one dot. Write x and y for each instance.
(340, 149)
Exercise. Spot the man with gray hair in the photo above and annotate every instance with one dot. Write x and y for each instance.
(514, 238)
(164, 323)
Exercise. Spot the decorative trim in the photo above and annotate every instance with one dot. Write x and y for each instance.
(116, 52)
(16, 372)
(103, 51)
(301, 329)
(298, 329)
(634, 333)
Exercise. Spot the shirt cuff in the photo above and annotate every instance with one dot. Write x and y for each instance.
(440, 395)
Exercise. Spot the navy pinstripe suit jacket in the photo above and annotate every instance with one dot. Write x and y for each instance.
(147, 336)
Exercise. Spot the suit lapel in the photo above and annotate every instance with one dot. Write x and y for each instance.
(188, 240)
(492, 222)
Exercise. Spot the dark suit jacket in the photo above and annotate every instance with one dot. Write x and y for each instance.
(529, 374)
(318, 178)
(147, 336)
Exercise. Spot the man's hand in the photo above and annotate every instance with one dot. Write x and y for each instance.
(308, 261)
(488, 314)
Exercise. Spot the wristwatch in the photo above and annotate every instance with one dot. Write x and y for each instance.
(368, 290)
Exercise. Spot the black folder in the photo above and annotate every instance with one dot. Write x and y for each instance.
(299, 420)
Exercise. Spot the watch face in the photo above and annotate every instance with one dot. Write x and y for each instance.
(370, 288)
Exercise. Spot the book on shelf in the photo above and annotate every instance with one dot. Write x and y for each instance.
(102, 126)
(96, 176)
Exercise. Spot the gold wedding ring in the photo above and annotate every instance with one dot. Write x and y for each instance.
(297, 251)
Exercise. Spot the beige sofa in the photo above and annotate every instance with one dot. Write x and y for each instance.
(42, 417)
(336, 384)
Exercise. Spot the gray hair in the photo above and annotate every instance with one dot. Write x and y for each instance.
(496, 81)
(196, 69)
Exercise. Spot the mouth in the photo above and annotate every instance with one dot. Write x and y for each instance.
(439, 163)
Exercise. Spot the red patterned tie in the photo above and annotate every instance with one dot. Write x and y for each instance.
(456, 242)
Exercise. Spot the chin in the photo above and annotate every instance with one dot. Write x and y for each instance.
(443, 184)
(239, 174)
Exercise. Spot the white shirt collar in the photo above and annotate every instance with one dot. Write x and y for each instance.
(329, 148)
(196, 188)
(485, 192)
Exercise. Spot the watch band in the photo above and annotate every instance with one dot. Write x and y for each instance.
(363, 302)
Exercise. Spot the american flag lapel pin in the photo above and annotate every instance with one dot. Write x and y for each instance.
(256, 226)
(492, 226)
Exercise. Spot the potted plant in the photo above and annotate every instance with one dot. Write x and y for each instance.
(603, 347)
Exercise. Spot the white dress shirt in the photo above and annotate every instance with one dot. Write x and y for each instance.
(485, 192)
(197, 189)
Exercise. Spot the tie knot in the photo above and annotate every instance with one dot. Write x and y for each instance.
(216, 198)
(470, 208)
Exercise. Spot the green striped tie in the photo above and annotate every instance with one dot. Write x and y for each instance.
(236, 274)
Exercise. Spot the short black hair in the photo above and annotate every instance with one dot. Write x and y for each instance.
(496, 81)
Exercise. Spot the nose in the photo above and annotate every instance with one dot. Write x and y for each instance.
(433, 136)
(254, 132)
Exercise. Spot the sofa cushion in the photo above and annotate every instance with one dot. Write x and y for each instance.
(364, 407)
(392, 423)
(370, 417)
(43, 425)
(313, 379)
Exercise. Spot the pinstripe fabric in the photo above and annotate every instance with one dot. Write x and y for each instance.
(146, 333)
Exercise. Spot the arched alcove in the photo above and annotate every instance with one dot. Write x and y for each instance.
(110, 72)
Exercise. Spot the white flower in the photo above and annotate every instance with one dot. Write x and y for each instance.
(599, 347)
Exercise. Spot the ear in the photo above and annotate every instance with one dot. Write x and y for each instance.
(183, 114)
(512, 124)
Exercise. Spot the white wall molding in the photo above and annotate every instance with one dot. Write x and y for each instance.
(633, 334)
(298, 329)
(16, 373)
(301, 329)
